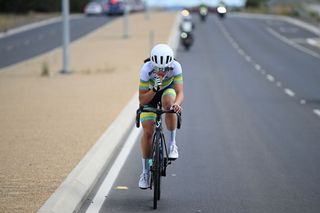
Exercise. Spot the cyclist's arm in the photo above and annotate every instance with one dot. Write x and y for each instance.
(145, 93)
(145, 96)
(178, 87)
(180, 95)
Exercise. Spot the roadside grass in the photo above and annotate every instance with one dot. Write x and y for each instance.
(9, 21)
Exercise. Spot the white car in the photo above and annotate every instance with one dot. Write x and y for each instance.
(93, 8)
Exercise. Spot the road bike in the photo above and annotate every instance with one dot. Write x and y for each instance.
(160, 159)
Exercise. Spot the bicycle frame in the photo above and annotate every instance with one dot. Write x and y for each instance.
(160, 159)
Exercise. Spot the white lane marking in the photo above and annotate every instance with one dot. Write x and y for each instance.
(300, 40)
(285, 40)
(106, 186)
(279, 84)
(235, 45)
(257, 67)
(302, 101)
(270, 78)
(240, 51)
(317, 112)
(312, 42)
(289, 92)
(248, 58)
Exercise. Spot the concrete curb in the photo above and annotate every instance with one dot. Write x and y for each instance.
(72, 193)
(75, 188)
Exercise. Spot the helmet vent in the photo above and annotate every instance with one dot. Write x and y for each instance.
(155, 59)
(161, 59)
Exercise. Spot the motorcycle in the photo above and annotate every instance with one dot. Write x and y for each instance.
(186, 39)
(221, 11)
(203, 12)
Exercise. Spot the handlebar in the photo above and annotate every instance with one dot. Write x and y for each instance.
(159, 112)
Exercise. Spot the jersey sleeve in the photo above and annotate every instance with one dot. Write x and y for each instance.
(144, 78)
(178, 77)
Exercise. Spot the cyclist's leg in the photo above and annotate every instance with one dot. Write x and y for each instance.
(147, 120)
(168, 98)
(148, 128)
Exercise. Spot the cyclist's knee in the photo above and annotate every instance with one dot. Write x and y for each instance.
(148, 129)
(168, 98)
(167, 102)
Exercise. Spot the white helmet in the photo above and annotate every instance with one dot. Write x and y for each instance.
(161, 55)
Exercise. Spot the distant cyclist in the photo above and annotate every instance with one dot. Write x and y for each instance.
(160, 80)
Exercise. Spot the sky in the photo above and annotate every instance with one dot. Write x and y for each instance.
(194, 2)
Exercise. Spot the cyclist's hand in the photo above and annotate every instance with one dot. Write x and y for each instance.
(157, 83)
(176, 108)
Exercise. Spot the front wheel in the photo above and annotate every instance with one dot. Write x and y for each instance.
(156, 172)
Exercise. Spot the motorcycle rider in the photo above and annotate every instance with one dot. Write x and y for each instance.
(186, 28)
(221, 9)
(203, 11)
(186, 24)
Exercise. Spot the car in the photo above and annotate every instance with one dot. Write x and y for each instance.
(96, 7)
(116, 7)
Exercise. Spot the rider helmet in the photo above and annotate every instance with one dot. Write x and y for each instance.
(161, 56)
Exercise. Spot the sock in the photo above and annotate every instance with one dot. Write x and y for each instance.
(145, 165)
(172, 138)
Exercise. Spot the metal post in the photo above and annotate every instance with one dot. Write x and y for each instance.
(126, 21)
(146, 10)
(66, 36)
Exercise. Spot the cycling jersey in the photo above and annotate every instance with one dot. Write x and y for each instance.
(147, 76)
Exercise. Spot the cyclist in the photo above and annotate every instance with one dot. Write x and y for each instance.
(160, 80)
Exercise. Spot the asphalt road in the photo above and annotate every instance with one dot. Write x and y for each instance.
(31, 43)
(250, 136)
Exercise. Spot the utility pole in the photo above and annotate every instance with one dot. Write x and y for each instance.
(126, 20)
(66, 36)
(146, 10)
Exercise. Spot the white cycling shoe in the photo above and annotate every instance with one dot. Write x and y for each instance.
(144, 181)
(173, 152)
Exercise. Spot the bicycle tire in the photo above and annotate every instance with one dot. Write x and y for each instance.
(156, 172)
